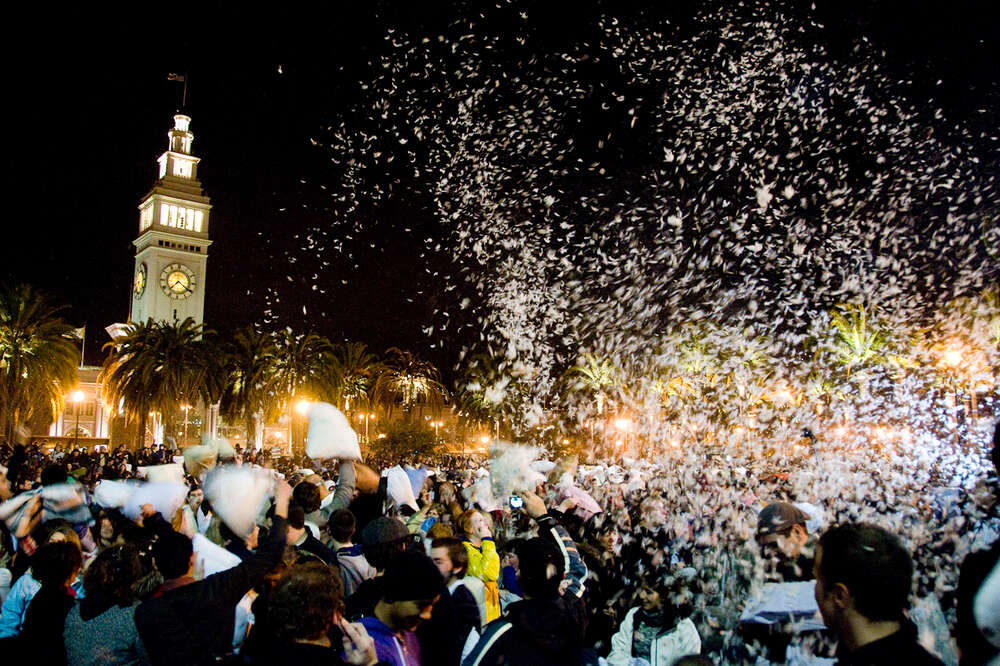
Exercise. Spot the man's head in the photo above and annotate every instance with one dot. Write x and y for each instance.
(53, 474)
(173, 555)
(56, 563)
(307, 600)
(450, 557)
(307, 495)
(540, 569)
(383, 539)
(411, 587)
(781, 526)
(195, 497)
(342, 525)
(863, 574)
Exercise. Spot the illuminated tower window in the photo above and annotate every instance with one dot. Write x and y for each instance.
(146, 218)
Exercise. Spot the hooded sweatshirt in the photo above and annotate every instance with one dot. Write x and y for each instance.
(534, 631)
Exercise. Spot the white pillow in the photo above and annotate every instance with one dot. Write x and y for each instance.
(165, 498)
(238, 494)
(169, 473)
(113, 494)
(330, 435)
(398, 488)
(211, 557)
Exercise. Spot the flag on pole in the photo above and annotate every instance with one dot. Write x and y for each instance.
(78, 333)
(175, 77)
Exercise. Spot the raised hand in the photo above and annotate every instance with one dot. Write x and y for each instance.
(359, 648)
(533, 504)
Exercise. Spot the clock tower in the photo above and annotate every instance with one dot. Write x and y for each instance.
(171, 250)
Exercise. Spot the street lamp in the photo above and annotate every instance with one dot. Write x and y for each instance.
(76, 398)
(951, 358)
(185, 409)
(302, 409)
(366, 418)
(624, 425)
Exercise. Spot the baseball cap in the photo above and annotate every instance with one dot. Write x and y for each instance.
(776, 518)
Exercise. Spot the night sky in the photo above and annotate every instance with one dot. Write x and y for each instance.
(88, 106)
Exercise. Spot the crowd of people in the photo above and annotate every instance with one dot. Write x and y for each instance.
(592, 564)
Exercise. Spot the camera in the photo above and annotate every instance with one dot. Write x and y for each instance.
(516, 502)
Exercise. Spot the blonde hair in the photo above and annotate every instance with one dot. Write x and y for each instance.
(464, 521)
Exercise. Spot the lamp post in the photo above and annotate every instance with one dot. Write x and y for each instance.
(624, 425)
(185, 409)
(952, 358)
(76, 397)
(302, 409)
(366, 418)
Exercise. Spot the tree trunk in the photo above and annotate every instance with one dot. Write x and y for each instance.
(251, 428)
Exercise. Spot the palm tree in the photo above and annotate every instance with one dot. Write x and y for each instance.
(596, 375)
(249, 370)
(38, 356)
(858, 340)
(408, 382)
(159, 366)
(487, 393)
(356, 368)
(301, 366)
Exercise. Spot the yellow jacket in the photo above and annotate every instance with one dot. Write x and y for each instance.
(484, 564)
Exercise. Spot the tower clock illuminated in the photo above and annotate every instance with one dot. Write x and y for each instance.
(177, 281)
(140, 280)
(171, 250)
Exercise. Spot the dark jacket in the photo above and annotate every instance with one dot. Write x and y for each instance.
(193, 624)
(466, 611)
(313, 549)
(41, 637)
(534, 631)
(898, 648)
(541, 631)
(300, 654)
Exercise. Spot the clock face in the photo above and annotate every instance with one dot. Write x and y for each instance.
(177, 281)
(140, 280)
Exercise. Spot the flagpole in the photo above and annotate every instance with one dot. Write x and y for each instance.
(184, 95)
(83, 345)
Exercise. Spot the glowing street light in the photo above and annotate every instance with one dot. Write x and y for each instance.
(301, 408)
(952, 357)
(76, 397)
(366, 418)
(625, 425)
(185, 409)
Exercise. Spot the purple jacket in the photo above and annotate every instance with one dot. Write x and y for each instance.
(389, 648)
